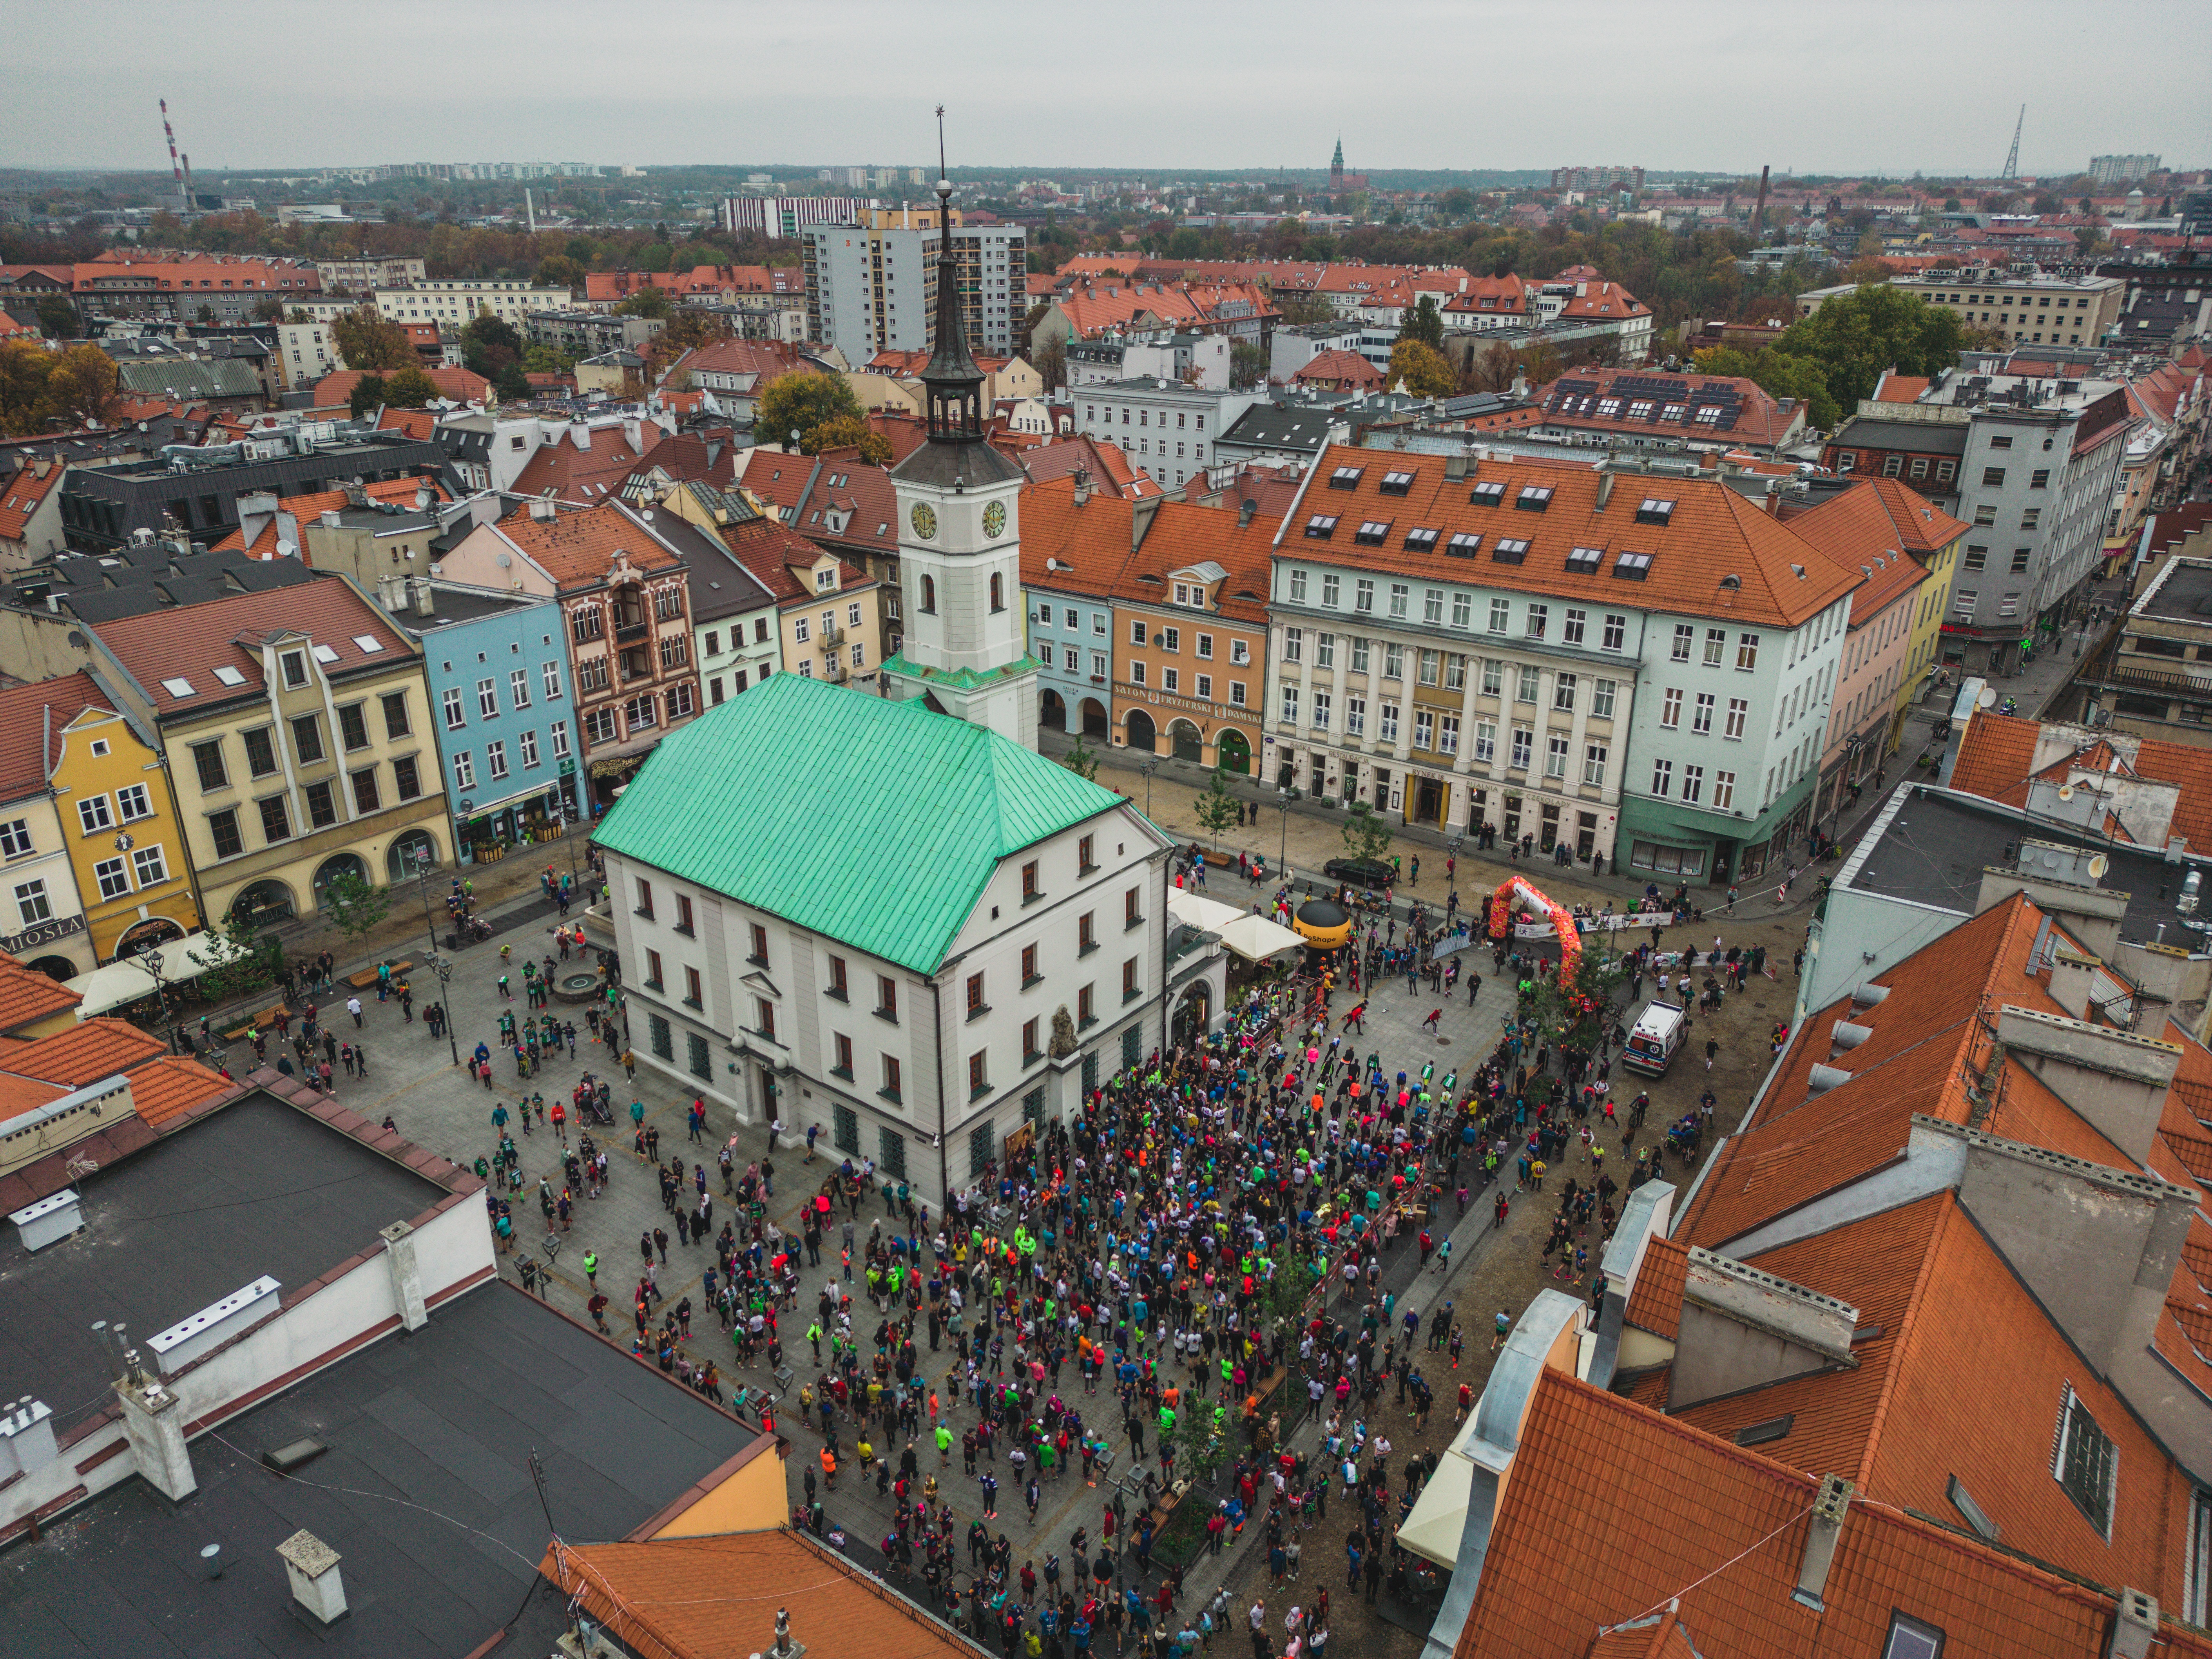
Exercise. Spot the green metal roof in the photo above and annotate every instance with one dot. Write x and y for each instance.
(872, 822)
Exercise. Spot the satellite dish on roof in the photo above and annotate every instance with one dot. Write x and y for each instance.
(1988, 698)
(2098, 865)
(2066, 792)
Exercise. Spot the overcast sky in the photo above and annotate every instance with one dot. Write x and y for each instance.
(1885, 86)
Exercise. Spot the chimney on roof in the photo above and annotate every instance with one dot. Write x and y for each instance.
(1743, 1329)
(1831, 1507)
(2135, 1625)
(1082, 476)
(311, 1566)
(1604, 487)
(544, 509)
(1141, 516)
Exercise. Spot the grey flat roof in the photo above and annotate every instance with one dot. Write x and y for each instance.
(1927, 437)
(2184, 595)
(445, 1419)
(256, 1187)
(1938, 844)
(455, 605)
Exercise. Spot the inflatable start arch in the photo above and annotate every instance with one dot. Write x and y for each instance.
(1501, 922)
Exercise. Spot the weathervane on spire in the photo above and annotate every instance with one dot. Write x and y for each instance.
(941, 141)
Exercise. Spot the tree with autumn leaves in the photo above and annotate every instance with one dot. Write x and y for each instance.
(43, 390)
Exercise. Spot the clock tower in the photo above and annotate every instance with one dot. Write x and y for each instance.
(964, 643)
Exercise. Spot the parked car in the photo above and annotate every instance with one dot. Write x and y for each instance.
(1360, 872)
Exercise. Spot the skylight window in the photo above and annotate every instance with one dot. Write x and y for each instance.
(1346, 478)
(1708, 414)
(325, 653)
(1534, 498)
(1653, 511)
(1397, 484)
(229, 675)
(1421, 539)
(1910, 1639)
(1321, 526)
(1462, 545)
(1673, 412)
(1487, 495)
(1586, 561)
(1373, 533)
(1507, 551)
(369, 642)
(1632, 567)
(180, 687)
(1608, 407)
(1640, 409)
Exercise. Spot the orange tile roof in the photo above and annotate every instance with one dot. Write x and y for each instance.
(166, 1089)
(23, 493)
(577, 545)
(769, 549)
(306, 508)
(581, 475)
(1712, 533)
(1656, 1303)
(1715, 1534)
(1762, 418)
(27, 996)
(96, 1048)
(1802, 1145)
(421, 423)
(1895, 388)
(31, 716)
(460, 385)
(1996, 755)
(18, 1095)
(189, 641)
(701, 1598)
(1874, 516)
(1344, 370)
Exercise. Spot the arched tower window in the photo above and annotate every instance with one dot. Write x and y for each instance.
(997, 591)
(929, 594)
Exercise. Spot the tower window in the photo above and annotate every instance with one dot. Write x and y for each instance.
(929, 594)
(997, 591)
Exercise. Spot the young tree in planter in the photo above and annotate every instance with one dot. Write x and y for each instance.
(1082, 760)
(1218, 810)
(1572, 1016)
(1365, 835)
(355, 905)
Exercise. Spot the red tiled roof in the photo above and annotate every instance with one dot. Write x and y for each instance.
(27, 996)
(188, 642)
(1109, 465)
(1656, 1303)
(94, 1049)
(166, 1089)
(1346, 370)
(1997, 753)
(580, 475)
(578, 544)
(1711, 533)
(306, 508)
(1761, 418)
(770, 550)
(671, 1598)
(22, 494)
(1875, 513)
(460, 385)
(32, 715)
(1689, 1524)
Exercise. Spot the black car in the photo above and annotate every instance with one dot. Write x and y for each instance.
(1360, 872)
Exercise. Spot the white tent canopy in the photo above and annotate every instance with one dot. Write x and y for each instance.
(1438, 1522)
(1207, 915)
(127, 979)
(1256, 938)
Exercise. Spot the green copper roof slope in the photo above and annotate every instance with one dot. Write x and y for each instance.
(872, 822)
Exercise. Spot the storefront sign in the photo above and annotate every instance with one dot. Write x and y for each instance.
(44, 932)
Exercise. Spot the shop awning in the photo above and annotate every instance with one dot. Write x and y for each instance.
(1256, 938)
(1436, 1524)
(127, 979)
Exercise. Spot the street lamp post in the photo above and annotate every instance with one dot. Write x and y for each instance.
(150, 958)
(1148, 767)
(436, 964)
(1283, 799)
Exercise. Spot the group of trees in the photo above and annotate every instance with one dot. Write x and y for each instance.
(42, 391)
(823, 411)
(1837, 356)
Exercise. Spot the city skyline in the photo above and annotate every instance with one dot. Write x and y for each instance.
(1281, 103)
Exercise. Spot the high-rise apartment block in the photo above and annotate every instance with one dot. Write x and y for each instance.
(1597, 178)
(2109, 170)
(873, 286)
(780, 216)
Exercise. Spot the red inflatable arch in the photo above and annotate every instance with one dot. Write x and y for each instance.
(1501, 922)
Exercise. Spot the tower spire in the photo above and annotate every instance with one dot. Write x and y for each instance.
(953, 382)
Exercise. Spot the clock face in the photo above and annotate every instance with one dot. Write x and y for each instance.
(994, 519)
(925, 521)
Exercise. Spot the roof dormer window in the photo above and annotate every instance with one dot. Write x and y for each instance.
(1489, 494)
(1346, 478)
(1421, 539)
(1397, 484)
(1320, 527)
(1464, 544)
(1373, 533)
(1509, 550)
(1632, 567)
(1586, 561)
(1532, 498)
(1653, 511)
